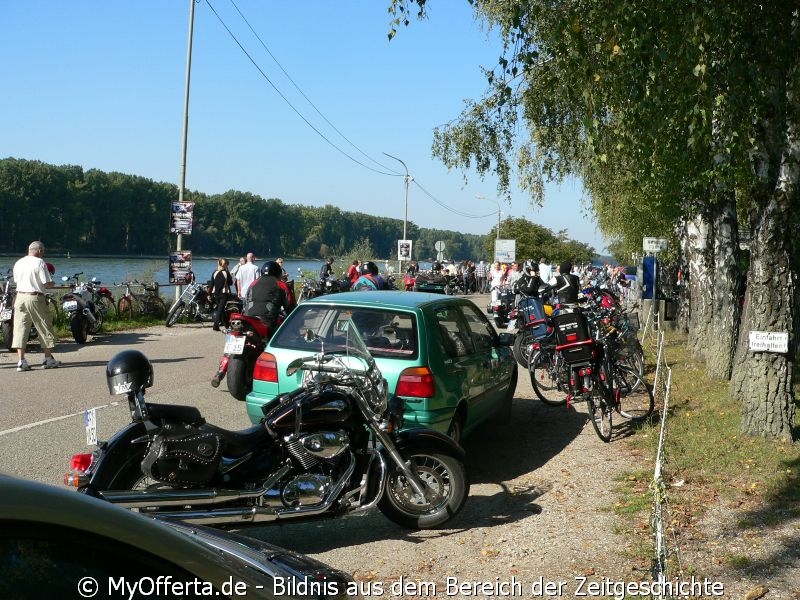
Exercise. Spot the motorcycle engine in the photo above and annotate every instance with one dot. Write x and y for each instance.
(313, 448)
(310, 450)
(306, 490)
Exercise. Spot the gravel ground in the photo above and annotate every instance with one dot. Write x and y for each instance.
(540, 512)
(541, 522)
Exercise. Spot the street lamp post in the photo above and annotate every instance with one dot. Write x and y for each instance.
(479, 197)
(185, 133)
(407, 179)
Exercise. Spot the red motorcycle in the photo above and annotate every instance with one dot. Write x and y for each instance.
(244, 343)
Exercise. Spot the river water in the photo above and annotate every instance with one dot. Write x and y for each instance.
(117, 270)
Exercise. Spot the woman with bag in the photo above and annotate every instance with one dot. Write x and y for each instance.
(221, 282)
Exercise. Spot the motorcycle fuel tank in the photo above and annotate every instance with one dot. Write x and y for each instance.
(312, 409)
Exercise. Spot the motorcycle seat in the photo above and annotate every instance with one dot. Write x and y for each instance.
(177, 412)
(259, 324)
(239, 443)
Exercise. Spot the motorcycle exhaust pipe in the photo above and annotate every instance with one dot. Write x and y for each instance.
(145, 498)
(259, 514)
(88, 314)
(154, 498)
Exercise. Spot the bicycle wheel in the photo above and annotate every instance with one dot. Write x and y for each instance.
(107, 307)
(635, 399)
(125, 308)
(548, 377)
(155, 307)
(600, 411)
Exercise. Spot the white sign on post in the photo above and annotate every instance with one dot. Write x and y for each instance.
(769, 341)
(654, 245)
(505, 251)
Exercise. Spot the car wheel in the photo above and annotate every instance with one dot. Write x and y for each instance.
(456, 430)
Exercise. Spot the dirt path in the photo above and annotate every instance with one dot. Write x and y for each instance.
(540, 511)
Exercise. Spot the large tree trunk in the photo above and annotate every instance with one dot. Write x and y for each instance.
(764, 381)
(721, 334)
(700, 284)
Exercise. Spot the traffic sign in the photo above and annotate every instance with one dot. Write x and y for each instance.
(654, 245)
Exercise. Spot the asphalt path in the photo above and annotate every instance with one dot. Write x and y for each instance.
(42, 412)
(42, 420)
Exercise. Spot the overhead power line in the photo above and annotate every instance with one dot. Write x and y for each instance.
(286, 100)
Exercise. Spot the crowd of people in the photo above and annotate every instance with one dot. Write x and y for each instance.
(264, 292)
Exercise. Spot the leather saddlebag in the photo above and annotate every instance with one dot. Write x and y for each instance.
(183, 457)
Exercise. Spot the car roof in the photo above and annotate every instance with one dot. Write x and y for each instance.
(189, 547)
(388, 299)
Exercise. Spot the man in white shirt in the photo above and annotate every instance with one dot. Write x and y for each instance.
(30, 307)
(246, 275)
(545, 272)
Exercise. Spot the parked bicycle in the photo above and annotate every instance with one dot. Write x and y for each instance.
(148, 302)
(582, 362)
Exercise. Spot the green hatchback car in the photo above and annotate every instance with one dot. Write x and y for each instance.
(440, 354)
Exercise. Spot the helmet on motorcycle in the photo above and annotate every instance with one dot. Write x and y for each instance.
(128, 371)
(369, 268)
(271, 268)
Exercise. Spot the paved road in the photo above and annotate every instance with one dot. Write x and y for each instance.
(41, 411)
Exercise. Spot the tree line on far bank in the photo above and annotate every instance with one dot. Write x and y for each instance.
(94, 212)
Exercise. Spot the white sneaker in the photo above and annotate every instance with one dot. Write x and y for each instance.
(50, 363)
(23, 365)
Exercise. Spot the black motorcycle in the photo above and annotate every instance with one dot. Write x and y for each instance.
(85, 306)
(331, 447)
(501, 308)
(195, 302)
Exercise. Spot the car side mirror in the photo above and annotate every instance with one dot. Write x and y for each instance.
(505, 339)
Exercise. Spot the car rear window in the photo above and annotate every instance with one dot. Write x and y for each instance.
(387, 333)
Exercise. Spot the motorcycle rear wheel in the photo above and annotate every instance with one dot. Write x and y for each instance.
(522, 347)
(94, 328)
(443, 475)
(239, 378)
(79, 328)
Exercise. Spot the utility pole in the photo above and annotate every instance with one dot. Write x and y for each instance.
(182, 188)
(407, 179)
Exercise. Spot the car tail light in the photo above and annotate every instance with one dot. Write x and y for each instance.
(416, 382)
(80, 462)
(266, 368)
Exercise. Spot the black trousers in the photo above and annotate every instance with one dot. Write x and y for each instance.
(219, 313)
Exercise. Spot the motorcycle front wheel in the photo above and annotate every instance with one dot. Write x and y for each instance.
(79, 327)
(175, 313)
(446, 481)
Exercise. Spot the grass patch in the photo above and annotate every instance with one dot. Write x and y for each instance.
(754, 482)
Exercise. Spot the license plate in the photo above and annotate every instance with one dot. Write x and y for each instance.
(5, 315)
(234, 344)
(70, 305)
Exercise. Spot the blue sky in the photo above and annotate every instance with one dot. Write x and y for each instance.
(100, 84)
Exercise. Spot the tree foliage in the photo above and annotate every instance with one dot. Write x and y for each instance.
(94, 212)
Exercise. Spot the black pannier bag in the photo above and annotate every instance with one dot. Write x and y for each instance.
(183, 457)
(573, 338)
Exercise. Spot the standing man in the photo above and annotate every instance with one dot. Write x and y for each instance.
(480, 277)
(33, 279)
(545, 271)
(246, 275)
